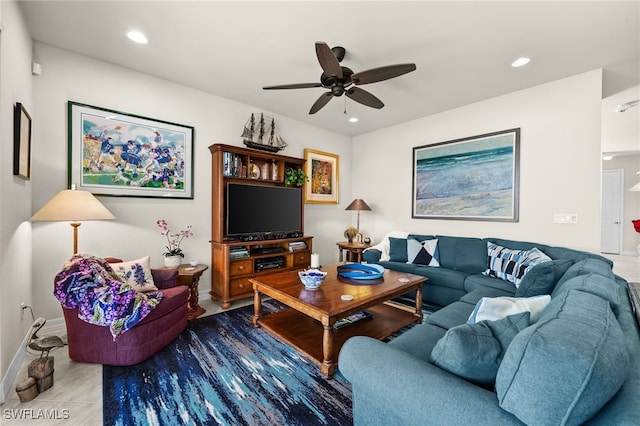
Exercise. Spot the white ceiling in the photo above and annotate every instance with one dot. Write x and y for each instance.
(463, 50)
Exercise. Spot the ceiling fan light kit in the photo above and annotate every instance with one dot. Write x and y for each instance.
(343, 81)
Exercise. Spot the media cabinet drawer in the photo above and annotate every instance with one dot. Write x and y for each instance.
(240, 286)
(302, 258)
(241, 267)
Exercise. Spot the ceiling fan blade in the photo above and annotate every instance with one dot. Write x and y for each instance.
(322, 101)
(364, 97)
(328, 60)
(383, 73)
(293, 86)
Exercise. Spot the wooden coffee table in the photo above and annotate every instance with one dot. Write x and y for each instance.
(308, 324)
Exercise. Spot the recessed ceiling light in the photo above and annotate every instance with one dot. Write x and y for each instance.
(353, 120)
(522, 61)
(607, 157)
(138, 37)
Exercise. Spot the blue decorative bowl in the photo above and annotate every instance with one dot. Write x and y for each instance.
(311, 278)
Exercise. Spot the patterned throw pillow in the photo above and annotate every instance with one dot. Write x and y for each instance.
(425, 253)
(512, 265)
(136, 273)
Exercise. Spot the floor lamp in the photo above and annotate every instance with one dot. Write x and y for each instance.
(71, 205)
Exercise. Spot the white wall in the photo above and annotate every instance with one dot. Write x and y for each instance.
(68, 76)
(559, 164)
(15, 193)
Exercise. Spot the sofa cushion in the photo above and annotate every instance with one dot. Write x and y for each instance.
(595, 284)
(423, 253)
(542, 278)
(397, 249)
(442, 276)
(400, 266)
(512, 265)
(495, 308)
(580, 333)
(462, 254)
(477, 281)
(587, 266)
(136, 273)
(474, 351)
(474, 296)
(452, 315)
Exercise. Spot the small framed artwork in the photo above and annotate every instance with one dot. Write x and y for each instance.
(21, 142)
(322, 170)
(474, 178)
(121, 154)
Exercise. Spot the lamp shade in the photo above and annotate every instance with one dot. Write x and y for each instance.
(358, 204)
(72, 205)
(635, 187)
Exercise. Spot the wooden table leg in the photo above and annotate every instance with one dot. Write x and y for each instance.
(419, 305)
(257, 306)
(328, 367)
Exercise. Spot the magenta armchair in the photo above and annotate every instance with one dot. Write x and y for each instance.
(94, 344)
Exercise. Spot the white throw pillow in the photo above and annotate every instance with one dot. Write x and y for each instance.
(136, 273)
(495, 308)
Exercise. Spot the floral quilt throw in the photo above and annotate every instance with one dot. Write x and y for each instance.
(89, 284)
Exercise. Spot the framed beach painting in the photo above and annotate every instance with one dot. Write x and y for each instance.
(121, 154)
(474, 178)
(322, 170)
(21, 142)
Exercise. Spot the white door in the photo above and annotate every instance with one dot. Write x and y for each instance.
(611, 236)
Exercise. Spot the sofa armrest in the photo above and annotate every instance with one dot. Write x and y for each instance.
(165, 278)
(389, 380)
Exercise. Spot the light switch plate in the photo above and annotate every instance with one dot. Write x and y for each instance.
(565, 218)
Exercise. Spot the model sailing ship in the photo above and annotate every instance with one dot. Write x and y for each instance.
(262, 135)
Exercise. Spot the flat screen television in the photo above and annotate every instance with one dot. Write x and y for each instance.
(260, 209)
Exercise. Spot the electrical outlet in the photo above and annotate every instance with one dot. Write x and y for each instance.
(565, 218)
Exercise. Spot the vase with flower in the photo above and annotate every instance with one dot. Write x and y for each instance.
(174, 254)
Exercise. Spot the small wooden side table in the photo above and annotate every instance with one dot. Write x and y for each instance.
(354, 250)
(190, 276)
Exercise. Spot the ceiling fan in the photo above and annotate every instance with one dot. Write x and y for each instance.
(342, 80)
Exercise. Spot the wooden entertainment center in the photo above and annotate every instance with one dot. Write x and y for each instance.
(236, 259)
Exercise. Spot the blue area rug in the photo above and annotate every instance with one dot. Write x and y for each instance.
(222, 370)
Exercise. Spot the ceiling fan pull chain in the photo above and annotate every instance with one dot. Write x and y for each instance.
(345, 105)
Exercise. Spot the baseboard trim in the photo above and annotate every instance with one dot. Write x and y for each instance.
(13, 370)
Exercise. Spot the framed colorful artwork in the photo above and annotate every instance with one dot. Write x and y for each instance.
(474, 178)
(322, 170)
(21, 142)
(121, 154)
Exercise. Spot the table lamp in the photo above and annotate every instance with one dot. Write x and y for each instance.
(71, 205)
(358, 204)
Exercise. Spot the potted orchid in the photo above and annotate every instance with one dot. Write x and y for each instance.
(174, 254)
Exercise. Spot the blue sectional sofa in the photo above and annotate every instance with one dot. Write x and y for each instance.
(575, 360)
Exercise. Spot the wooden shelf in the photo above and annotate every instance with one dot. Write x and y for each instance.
(230, 277)
(305, 333)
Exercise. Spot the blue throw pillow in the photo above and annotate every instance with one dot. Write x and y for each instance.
(474, 351)
(542, 278)
(398, 249)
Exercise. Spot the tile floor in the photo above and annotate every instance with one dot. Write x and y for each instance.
(76, 397)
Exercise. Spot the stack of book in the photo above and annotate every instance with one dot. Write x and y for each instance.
(238, 252)
(297, 245)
